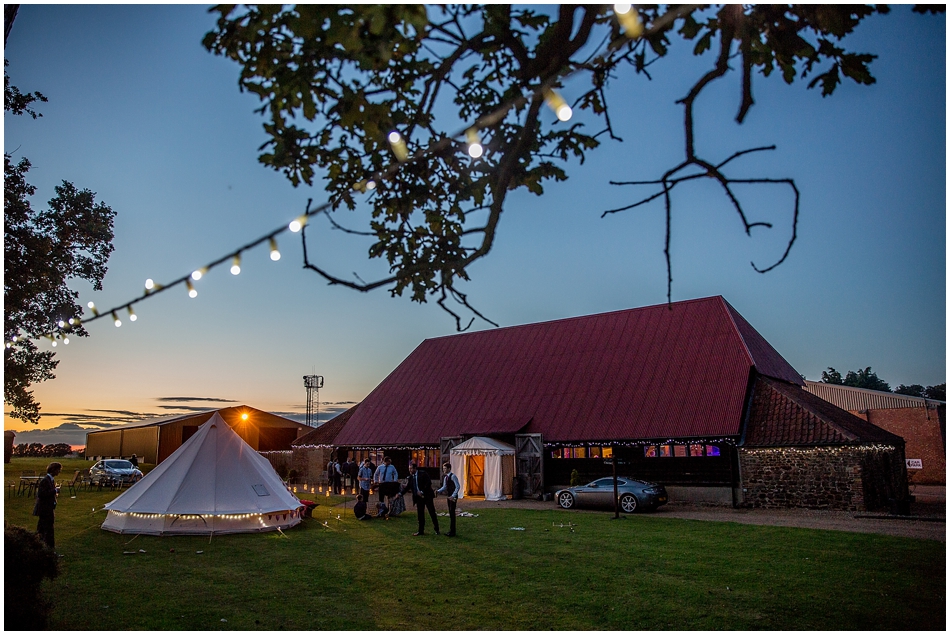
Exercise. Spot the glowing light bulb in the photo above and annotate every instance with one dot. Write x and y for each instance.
(371, 185)
(274, 252)
(236, 265)
(196, 275)
(629, 20)
(297, 224)
(556, 103)
(72, 321)
(149, 284)
(398, 144)
(115, 318)
(132, 316)
(61, 324)
(9, 344)
(192, 293)
(54, 343)
(475, 148)
(93, 308)
(65, 340)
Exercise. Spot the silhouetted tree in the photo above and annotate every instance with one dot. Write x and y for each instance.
(43, 251)
(336, 80)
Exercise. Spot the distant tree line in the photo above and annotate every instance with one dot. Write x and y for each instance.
(38, 449)
(867, 378)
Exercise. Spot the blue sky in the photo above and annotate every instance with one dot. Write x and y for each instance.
(142, 115)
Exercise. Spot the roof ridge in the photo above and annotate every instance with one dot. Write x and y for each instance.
(732, 320)
(580, 317)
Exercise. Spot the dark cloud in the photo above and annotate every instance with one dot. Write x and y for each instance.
(65, 433)
(123, 413)
(189, 399)
(299, 417)
(186, 408)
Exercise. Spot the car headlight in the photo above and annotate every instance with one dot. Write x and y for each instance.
(651, 490)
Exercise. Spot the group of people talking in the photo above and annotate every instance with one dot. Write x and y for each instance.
(386, 480)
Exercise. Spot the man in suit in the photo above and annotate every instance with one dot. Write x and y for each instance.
(420, 485)
(46, 493)
(451, 488)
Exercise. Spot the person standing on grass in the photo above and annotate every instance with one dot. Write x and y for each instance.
(420, 485)
(387, 479)
(46, 493)
(337, 478)
(365, 478)
(451, 488)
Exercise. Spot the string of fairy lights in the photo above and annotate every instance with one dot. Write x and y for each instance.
(632, 28)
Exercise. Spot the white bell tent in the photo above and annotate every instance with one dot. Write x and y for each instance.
(215, 483)
(485, 467)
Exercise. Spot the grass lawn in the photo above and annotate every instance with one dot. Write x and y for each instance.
(639, 573)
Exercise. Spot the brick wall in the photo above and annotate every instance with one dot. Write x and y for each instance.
(922, 433)
(859, 478)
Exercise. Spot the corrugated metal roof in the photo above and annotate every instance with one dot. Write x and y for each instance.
(666, 371)
(230, 414)
(857, 399)
(784, 415)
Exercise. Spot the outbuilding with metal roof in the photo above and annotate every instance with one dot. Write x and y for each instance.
(687, 394)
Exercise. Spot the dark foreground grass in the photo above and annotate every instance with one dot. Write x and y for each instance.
(639, 573)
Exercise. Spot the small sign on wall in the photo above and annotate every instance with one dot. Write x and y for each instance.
(915, 464)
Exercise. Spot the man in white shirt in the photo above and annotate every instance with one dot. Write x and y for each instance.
(451, 488)
(386, 479)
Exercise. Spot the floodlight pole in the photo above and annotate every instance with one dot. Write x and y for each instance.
(313, 384)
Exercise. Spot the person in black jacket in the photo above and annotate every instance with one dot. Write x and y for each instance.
(420, 485)
(46, 493)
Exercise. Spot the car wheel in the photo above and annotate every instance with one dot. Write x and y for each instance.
(565, 500)
(628, 503)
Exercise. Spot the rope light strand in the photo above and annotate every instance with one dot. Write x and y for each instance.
(625, 15)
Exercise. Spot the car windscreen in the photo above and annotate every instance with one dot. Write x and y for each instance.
(119, 465)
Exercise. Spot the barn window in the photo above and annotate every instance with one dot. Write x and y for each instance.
(695, 449)
(679, 450)
(712, 450)
(649, 451)
(608, 452)
(595, 452)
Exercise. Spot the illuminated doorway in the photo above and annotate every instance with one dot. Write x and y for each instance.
(475, 475)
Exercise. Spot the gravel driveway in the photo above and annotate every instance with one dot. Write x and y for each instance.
(927, 520)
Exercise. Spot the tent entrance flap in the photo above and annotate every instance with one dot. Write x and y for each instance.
(475, 473)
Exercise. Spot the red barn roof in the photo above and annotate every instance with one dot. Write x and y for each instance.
(666, 371)
(784, 415)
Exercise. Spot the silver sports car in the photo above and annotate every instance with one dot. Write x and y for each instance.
(633, 495)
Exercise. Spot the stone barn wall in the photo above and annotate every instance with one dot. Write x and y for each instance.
(852, 478)
(311, 464)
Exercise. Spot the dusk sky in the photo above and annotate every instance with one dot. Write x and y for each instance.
(140, 113)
